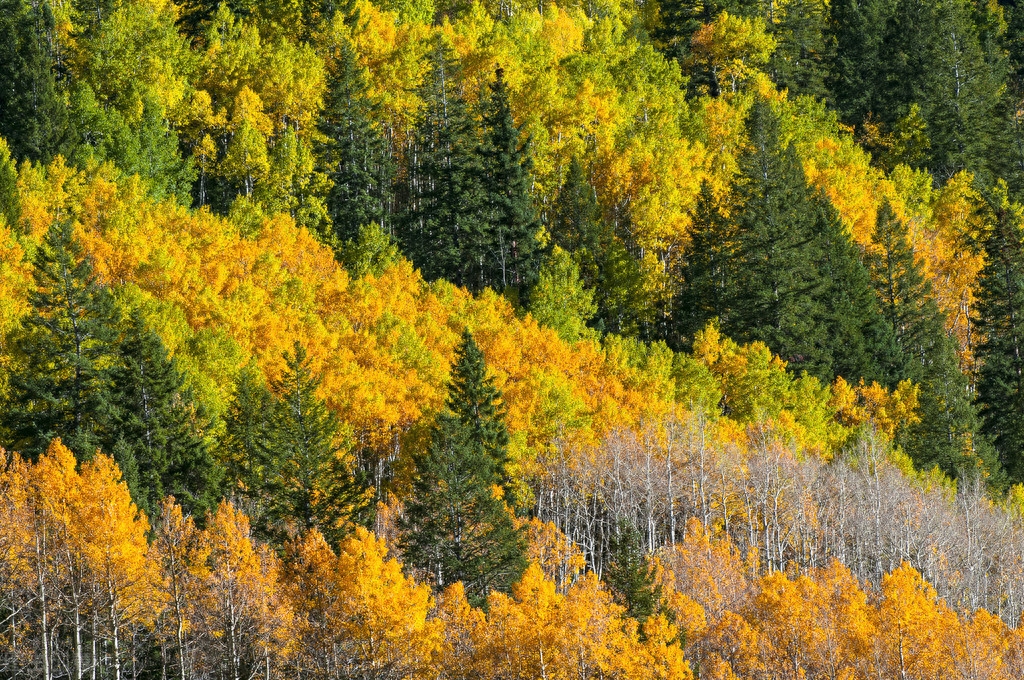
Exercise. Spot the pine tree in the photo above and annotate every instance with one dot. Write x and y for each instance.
(513, 254)
(309, 484)
(154, 427)
(33, 118)
(1000, 322)
(576, 224)
(779, 288)
(629, 575)
(946, 435)
(707, 273)
(444, 230)
(456, 528)
(800, 61)
(245, 453)
(354, 154)
(856, 29)
(10, 201)
(859, 342)
(59, 383)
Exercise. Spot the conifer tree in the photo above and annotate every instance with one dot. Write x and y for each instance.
(354, 153)
(10, 201)
(577, 227)
(308, 482)
(799, 64)
(33, 118)
(59, 383)
(154, 427)
(246, 456)
(456, 527)
(708, 275)
(514, 256)
(443, 230)
(778, 286)
(856, 31)
(629, 575)
(1000, 323)
(946, 434)
(859, 342)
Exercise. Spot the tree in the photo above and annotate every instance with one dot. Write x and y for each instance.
(444, 230)
(779, 287)
(154, 427)
(799, 62)
(945, 435)
(1000, 322)
(59, 385)
(245, 455)
(856, 29)
(456, 525)
(354, 153)
(33, 118)
(514, 255)
(560, 301)
(708, 269)
(629, 575)
(10, 202)
(308, 482)
(859, 342)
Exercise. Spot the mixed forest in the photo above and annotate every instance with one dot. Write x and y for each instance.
(459, 339)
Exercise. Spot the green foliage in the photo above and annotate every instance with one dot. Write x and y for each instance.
(456, 527)
(946, 435)
(33, 118)
(354, 154)
(560, 301)
(10, 202)
(1001, 325)
(508, 205)
(59, 385)
(154, 427)
(372, 251)
(288, 452)
(629, 575)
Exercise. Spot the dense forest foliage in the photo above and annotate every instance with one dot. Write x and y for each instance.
(435, 339)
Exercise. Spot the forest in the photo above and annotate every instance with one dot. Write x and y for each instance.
(480, 339)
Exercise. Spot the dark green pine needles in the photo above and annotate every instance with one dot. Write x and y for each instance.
(456, 528)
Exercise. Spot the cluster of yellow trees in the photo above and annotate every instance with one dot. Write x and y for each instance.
(85, 593)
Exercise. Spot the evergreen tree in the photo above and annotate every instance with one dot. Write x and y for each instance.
(308, 483)
(576, 224)
(708, 275)
(927, 356)
(514, 256)
(1000, 322)
(59, 384)
(354, 154)
(800, 63)
(154, 427)
(33, 118)
(443, 230)
(680, 19)
(456, 528)
(10, 201)
(247, 459)
(629, 575)
(859, 341)
(778, 286)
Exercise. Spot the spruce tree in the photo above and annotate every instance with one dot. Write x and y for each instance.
(1000, 322)
(154, 427)
(629, 575)
(708, 269)
(10, 201)
(859, 342)
(33, 118)
(576, 224)
(779, 289)
(354, 154)
(513, 253)
(308, 482)
(799, 64)
(444, 230)
(455, 527)
(946, 435)
(59, 383)
(247, 459)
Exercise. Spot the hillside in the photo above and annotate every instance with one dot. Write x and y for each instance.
(425, 340)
